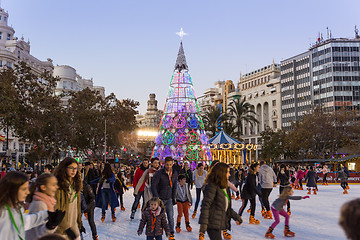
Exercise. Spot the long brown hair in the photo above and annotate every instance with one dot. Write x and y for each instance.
(217, 175)
(9, 187)
(35, 186)
(62, 177)
(350, 218)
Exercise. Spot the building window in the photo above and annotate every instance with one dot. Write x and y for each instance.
(1, 63)
(64, 84)
(0, 35)
(8, 37)
(18, 54)
(27, 146)
(14, 145)
(4, 19)
(8, 64)
(274, 124)
(274, 103)
(4, 147)
(21, 147)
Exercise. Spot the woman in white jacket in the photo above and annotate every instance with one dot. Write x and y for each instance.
(14, 188)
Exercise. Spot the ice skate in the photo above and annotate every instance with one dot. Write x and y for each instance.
(315, 192)
(269, 234)
(288, 233)
(113, 217)
(249, 210)
(102, 217)
(188, 227)
(171, 237)
(238, 222)
(289, 212)
(309, 191)
(252, 220)
(122, 208)
(345, 191)
(193, 215)
(347, 187)
(95, 237)
(237, 198)
(263, 212)
(226, 235)
(138, 206)
(86, 215)
(268, 215)
(201, 236)
(177, 228)
(132, 215)
(232, 196)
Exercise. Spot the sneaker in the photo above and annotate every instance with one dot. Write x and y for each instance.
(226, 234)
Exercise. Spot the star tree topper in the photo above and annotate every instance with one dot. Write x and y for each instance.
(181, 33)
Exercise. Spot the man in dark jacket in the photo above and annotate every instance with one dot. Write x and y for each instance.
(176, 167)
(163, 186)
(140, 194)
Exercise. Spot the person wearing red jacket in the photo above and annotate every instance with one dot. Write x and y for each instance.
(138, 174)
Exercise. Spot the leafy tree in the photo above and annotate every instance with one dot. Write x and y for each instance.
(240, 111)
(273, 143)
(212, 119)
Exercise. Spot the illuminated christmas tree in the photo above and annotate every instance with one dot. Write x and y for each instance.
(181, 131)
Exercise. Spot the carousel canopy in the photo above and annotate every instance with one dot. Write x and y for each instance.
(221, 138)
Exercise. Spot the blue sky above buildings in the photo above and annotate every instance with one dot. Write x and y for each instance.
(130, 46)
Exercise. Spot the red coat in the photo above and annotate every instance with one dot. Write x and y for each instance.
(138, 173)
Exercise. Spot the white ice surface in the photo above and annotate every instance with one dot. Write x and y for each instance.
(315, 218)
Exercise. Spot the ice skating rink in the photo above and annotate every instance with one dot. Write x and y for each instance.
(314, 219)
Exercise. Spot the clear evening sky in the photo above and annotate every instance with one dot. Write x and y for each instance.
(130, 46)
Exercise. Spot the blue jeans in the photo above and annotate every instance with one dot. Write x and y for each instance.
(156, 237)
(169, 208)
(106, 200)
(137, 200)
(198, 194)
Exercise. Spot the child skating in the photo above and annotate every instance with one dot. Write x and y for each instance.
(343, 179)
(277, 209)
(155, 220)
(183, 202)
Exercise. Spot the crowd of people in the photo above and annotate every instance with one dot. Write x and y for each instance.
(51, 204)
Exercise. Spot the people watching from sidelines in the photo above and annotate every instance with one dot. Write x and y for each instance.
(140, 193)
(147, 178)
(68, 197)
(163, 185)
(199, 177)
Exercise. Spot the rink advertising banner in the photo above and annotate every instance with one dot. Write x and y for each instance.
(331, 177)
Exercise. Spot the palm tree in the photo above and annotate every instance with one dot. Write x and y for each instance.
(211, 120)
(239, 111)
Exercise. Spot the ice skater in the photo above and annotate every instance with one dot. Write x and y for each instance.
(155, 220)
(311, 180)
(343, 179)
(277, 209)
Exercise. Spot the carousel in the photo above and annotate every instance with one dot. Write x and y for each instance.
(229, 150)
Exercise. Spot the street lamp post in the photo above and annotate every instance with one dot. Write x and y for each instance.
(105, 143)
